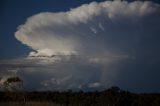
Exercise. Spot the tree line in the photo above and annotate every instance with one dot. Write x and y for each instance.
(13, 91)
(110, 97)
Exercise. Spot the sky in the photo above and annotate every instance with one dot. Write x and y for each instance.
(81, 44)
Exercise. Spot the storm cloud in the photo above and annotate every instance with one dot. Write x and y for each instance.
(96, 45)
(86, 29)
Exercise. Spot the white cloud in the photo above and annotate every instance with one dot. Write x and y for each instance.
(93, 30)
(101, 26)
(67, 32)
(94, 85)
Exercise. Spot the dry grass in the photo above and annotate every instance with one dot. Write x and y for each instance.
(28, 104)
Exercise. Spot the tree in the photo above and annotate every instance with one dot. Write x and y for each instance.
(13, 84)
(14, 88)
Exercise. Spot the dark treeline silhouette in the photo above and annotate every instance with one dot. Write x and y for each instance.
(110, 97)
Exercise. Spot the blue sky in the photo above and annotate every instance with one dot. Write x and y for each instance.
(63, 45)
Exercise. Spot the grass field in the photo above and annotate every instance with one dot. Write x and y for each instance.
(29, 104)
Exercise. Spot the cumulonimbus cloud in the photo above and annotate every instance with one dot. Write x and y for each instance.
(81, 30)
(95, 45)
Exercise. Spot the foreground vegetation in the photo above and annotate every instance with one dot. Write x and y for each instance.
(31, 103)
(110, 97)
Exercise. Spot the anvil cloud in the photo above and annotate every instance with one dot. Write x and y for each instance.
(93, 46)
(83, 29)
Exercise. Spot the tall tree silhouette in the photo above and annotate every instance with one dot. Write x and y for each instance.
(14, 88)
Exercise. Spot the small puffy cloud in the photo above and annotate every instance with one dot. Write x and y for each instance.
(94, 85)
